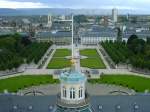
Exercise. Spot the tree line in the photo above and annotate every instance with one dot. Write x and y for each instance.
(135, 51)
(116, 50)
(16, 50)
(140, 49)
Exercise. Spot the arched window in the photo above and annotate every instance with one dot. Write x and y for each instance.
(72, 93)
(64, 92)
(80, 92)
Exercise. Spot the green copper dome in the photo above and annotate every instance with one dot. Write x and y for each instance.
(72, 77)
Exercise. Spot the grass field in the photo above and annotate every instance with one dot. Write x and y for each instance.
(139, 84)
(59, 60)
(59, 63)
(89, 52)
(93, 61)
(20, 82)
(62, 53)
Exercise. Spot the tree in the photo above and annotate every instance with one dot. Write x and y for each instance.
(119, 34)
(123, 19)
(131, 43)
(131, 38)
(148, 40)
(147, 51)
(25, 41)
(138, 46)
(18, 46)
(80, 19)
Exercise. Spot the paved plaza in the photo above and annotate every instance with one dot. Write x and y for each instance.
(93, 89)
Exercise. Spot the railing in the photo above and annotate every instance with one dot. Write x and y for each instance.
(66, 103)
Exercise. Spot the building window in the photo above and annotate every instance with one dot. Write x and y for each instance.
(72, 93)
(64, 92)
(80, 92)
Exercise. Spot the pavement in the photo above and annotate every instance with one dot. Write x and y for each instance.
(45, 55)
(102, 57)
(92, 89)
(77, 59)
(49, 58)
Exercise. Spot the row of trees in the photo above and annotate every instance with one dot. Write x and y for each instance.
(16, 50)
(34, 52)
(117, 51)
(141, 52)
(9, 60)
(136, 52)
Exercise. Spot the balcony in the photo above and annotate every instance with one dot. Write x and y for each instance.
(76, 104)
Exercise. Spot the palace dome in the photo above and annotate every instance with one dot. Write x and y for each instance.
(72, 77)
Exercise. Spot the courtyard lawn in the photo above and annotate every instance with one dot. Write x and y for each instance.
(93, 59)
(59, 63)
(62, 53)
(93, 63)
(138, 83)
(59, 60)
(20, 82)
(89, 52)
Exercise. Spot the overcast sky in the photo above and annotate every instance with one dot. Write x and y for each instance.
(142, 5)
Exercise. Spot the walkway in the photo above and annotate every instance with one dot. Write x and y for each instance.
(49, 58)
(102, 57)
(92, 89)
(77, 59)
(106, 57)
(45, 56)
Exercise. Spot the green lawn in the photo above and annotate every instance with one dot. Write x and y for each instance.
(93, 61)
(139, 84)
(59, 60)
(89, 52)
(59, 63)
(20, 82)
(62, 53)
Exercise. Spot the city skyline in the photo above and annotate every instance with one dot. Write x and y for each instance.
(142, 5)
(74, 56)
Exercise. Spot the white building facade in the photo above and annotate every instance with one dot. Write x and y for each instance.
(72, 87)
(96, 40)
(49, 22)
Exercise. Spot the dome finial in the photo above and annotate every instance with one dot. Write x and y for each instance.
(72, 64)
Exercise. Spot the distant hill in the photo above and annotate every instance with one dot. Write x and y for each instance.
(5, 11)
(58, 11)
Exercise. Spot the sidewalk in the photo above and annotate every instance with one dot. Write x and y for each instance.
(102, 57)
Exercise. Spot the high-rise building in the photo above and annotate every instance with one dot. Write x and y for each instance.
(115, 15)
(49, 20)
